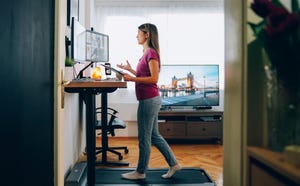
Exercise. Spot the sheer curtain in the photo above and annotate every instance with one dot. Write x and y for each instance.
(190, 32)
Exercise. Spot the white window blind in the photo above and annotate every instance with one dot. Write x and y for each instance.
(190, 32)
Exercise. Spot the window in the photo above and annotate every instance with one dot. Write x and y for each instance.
(190, 32)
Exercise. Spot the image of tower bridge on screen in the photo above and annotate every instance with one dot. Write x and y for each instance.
(189, 87)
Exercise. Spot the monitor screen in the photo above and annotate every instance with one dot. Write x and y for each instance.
(97, 48)
(189, 85)
(78, 41)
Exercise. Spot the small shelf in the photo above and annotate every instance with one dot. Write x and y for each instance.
(274, 164)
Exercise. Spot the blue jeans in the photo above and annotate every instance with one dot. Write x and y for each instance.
(148, 134)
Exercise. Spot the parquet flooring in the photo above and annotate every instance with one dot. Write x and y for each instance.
(208, 156)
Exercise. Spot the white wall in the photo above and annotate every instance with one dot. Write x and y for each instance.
(74, 129)
(74, 116)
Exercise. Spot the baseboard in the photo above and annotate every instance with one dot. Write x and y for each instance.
(77, 176)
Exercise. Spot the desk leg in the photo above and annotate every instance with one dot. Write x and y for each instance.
(104, 134)
(104, 126)
(90, 138)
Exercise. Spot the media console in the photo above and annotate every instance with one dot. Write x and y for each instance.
(191, 124)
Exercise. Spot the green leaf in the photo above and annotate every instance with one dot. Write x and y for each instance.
(278, 3)
(295, 6)
(257, 28)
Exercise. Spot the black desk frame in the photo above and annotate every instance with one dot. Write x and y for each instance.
(89, 94)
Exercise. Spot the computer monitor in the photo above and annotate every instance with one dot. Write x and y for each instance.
(97, 46)
(78, 41)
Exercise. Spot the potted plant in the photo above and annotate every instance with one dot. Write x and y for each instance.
(279, 33)
(69, 62)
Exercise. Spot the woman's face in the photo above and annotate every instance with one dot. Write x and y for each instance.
(142, 37)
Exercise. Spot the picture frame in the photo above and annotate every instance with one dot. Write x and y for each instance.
(72, 10)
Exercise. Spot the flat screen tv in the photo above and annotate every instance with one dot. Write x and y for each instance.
(195, 86)
(97, 46)
(78, 41)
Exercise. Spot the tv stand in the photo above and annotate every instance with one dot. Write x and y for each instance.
(191, 124)
(170, 108)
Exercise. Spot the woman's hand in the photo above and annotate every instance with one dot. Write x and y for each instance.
(127, 77)
(127, 66)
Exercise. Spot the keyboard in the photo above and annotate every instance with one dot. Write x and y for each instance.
(91, 79)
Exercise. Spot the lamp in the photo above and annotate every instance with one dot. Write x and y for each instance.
(97, 74)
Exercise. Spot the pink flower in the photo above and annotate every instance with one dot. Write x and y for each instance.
(262, 7)
(280, 33)
(281, 22)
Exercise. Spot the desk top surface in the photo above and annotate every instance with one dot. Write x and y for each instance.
(92, 83)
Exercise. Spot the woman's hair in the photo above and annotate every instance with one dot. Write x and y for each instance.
(153, 35)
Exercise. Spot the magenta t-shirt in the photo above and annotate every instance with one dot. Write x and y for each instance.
(143, 90)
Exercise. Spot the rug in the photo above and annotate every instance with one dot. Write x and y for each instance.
(186, 176)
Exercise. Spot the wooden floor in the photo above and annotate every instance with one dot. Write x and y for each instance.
(208, 156)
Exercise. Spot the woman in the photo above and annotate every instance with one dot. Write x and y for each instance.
(147, 93)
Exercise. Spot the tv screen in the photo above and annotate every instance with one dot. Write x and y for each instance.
(97, 48)
(194, 86)
(78, 41)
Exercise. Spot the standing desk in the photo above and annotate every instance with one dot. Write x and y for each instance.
(88, 88)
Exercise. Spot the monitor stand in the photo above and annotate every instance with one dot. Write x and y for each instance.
(80, 74)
